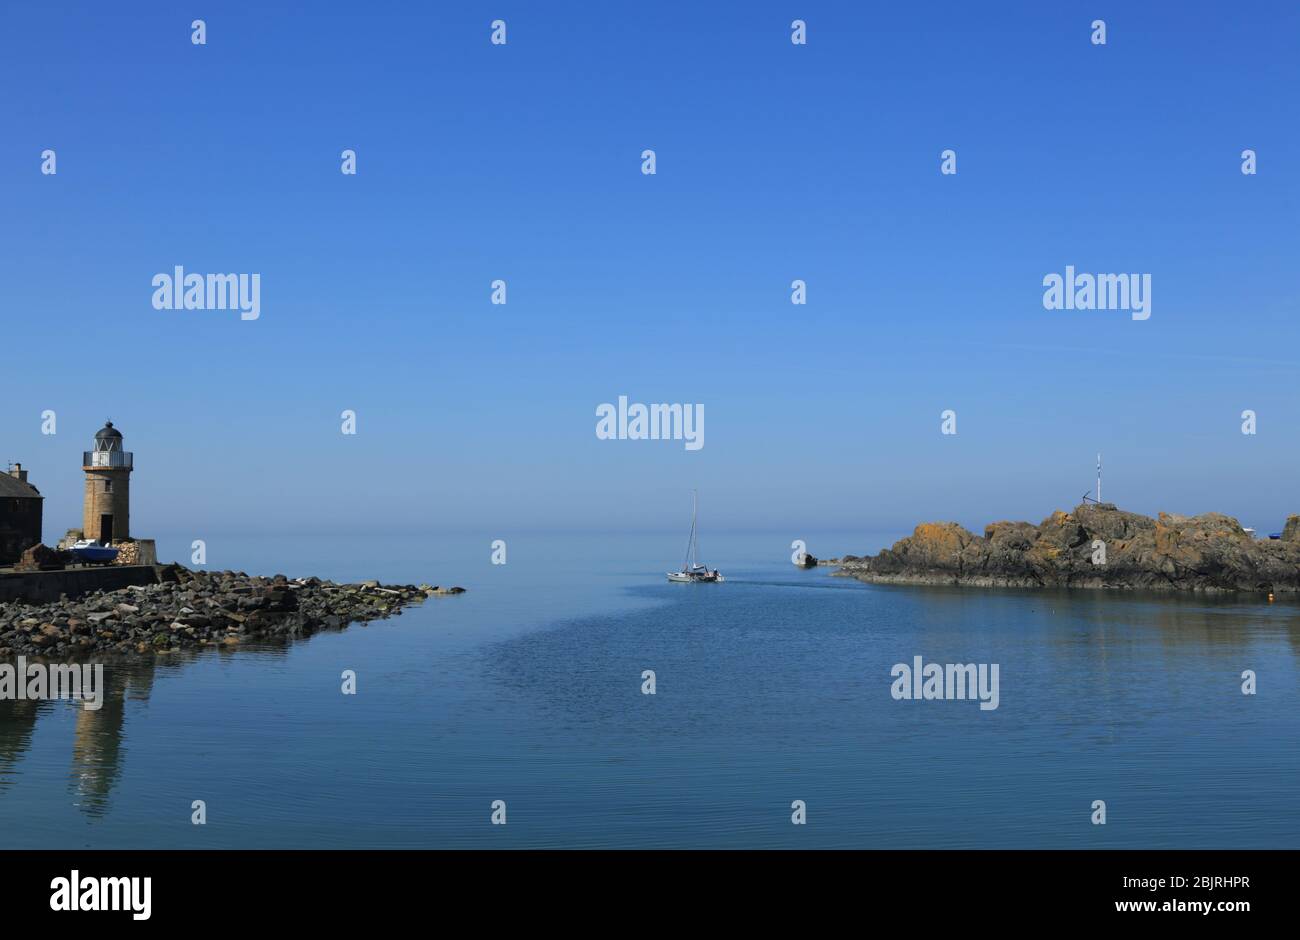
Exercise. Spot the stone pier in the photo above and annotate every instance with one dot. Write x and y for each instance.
(43, 587)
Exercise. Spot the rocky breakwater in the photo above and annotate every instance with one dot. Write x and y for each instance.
(1095, 546)
(195, 609)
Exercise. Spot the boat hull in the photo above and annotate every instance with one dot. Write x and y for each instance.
(686, 577)
(97, 556)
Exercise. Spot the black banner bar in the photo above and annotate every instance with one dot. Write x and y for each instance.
(309, 888)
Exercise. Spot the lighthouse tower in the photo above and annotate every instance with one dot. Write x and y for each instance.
(107, 514)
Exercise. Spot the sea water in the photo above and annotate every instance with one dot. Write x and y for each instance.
(770, 688)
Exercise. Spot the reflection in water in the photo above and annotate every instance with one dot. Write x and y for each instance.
(17, 721)
(97, 741)
(763, 686)
(1086, 656)
(97, 738)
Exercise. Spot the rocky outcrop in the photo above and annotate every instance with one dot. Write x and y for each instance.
(193, 609)
(1095, 546)
(43, 558)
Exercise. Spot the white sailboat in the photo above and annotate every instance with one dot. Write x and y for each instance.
(692, 571)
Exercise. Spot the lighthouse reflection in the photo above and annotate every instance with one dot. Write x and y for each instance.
(97, 734)
(98, 738)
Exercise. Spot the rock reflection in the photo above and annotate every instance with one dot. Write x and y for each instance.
(17, 722)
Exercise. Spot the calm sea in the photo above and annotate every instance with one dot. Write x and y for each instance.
(771, 688)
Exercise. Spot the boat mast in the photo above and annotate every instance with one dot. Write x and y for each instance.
(1099, 478)
(695, 539)
(690, 543)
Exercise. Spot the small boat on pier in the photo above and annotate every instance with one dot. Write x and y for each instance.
(91, 552)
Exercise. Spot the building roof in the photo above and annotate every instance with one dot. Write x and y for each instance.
(108, 432)
(14, 488)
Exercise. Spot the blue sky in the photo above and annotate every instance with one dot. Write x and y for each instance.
(775, 162)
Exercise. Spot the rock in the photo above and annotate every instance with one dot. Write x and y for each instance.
(195, 609)
(170, 573)
(279, 600)
(42, 558)
(1209, 552)
(805, 560)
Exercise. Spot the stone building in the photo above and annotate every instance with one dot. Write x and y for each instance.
(20, 514)
(107, 514)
